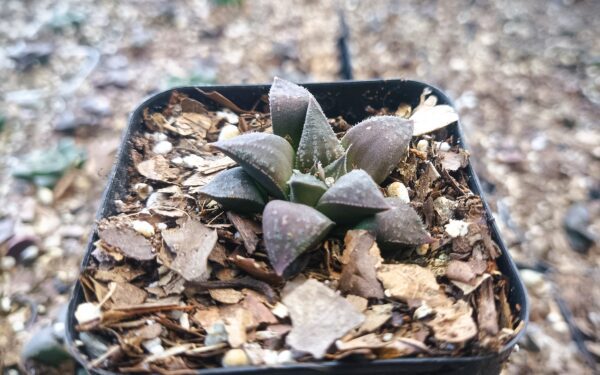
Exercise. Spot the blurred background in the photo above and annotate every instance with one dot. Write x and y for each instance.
(525, 77)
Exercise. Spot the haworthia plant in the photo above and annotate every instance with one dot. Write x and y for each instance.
(326, 181)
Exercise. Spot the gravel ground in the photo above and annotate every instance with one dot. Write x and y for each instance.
(525, 77)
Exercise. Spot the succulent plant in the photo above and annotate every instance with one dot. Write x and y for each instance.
(315, 180)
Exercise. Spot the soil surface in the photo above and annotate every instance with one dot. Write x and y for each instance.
(524, 76)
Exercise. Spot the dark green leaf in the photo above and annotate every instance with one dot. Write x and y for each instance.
(353, 197)
(288, 103)
(378, 144)
(400, 226)
(318, 142)
(235, 190)
(306, 188)
(339, 167)
(267, 158)
(290, 229)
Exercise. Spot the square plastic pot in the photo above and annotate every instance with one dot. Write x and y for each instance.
(348, 99)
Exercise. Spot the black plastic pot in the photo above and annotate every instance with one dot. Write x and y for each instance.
(348, 99)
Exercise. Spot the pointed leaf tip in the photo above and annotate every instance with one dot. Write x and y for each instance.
(353, 197)
(267, 158)
(235, 190)
(378, 144)
(306, 188)
(400, 226)
(318, 142)
(290, 229)
(288, 103)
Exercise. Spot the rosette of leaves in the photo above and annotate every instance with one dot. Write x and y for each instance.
(305, 180)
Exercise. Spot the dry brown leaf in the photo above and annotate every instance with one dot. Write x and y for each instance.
(207, 317)
(197, 179)
(428, 118)
(359, 303)
(237, 320)
(157, 168)
(469, 288)
(361, 259)
(453, 322)
(191, 244)
(260, 312)
(460, 271)
(316, 325)
(452, 160)
(226, 295)
(375, 317)
(411, 283)
(122, 273)
(247, 229)
(256, 269)
(487, 316)
(126, 293)
(128, 241)
(146, 332)
(369, 341)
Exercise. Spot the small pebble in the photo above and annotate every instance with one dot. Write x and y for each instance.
(45, 196)
(228, 131)
(87, 312)
(143, 227)
(422, 311)
(229, 116)
(161, 226)
(143, 190)
(442, 146)
(7, 263)
(457, 228)
(399, 190)
(162, 147)
(235, 357)
(158, 137)
(285, 356)
(29, 254)
(177, 160)
(153, 346)
(422, 145)
(422, 250)
(280, 310)
(387, 337)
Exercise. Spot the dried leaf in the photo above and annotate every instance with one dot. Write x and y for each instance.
(378, 144)
(237, 319)
(288, 103)
(316, 325)
(191, 244)
(353, 197)
(127, 294)
(452, 160)
(259, 311)
(290, 229)
(411, 283)
(256, 269)
(236, 191)
(487, 316)
(226, 295)
(128, 241)
(429, 118)
(247, 229)
(361, 259)
(460, 271)
(400, 225)
(318, 143)
(359, 303)
(453, 322)
(207, 317)
(157, 168)
(375, 317)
